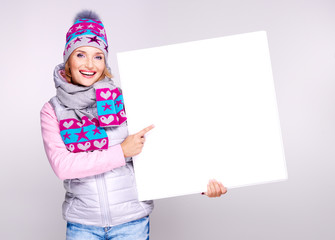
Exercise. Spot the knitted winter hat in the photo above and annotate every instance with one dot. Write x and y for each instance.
(87, 30)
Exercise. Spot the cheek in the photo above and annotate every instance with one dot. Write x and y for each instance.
(73, 66)
(101, 68)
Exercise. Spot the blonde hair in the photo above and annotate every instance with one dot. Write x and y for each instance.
(68, 75)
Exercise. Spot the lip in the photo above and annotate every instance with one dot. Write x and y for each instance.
(87, 71)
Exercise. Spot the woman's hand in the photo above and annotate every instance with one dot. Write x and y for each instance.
(133, 144)
(215, 189)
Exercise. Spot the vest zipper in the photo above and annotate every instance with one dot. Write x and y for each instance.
(103, 197)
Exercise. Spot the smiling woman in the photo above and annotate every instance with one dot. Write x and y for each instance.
(86, 140)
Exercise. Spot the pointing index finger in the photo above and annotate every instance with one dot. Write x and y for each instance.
(145, 130)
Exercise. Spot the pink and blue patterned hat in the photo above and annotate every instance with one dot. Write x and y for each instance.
(87, 30)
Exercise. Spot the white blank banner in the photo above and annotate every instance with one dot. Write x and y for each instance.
(214, 107)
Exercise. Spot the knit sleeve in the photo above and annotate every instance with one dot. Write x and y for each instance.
(68, 165)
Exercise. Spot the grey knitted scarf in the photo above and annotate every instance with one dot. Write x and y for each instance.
(87, 110)
(78, 99)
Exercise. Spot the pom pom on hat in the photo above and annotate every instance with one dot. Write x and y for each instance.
(87, 30)
(89, 14)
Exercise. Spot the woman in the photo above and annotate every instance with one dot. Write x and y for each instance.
(86, 140)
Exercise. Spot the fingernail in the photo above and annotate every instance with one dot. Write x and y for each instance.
(202, 193)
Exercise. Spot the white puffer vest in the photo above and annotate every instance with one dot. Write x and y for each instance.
(106, 199)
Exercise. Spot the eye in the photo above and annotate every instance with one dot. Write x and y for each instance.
(80, 55)
(99, 57)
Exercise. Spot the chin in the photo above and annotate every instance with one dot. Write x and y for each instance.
(85, 82)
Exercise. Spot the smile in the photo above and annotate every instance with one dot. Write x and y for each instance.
(87, 73)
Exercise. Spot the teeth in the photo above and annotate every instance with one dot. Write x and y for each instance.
(87, 73)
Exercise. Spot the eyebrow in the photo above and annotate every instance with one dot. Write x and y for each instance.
(85, 52)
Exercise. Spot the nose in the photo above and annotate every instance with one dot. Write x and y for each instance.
(89, 63)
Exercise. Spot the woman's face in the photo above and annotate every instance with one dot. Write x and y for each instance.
(87, 65)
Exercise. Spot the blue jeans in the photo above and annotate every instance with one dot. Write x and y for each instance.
(134, 230)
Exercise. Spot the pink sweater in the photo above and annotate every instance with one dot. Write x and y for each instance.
(67, 165)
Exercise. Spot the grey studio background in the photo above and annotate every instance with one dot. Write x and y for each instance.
(301, 38)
